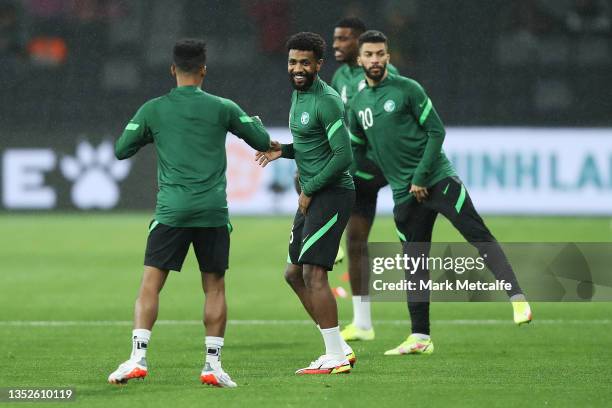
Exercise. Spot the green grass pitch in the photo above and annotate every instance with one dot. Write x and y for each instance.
(86, 269)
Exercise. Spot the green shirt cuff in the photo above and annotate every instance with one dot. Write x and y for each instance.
(287, 151)
(419, 179)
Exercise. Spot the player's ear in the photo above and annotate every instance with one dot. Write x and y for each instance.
(173, 70)
(319, 64)
(359, 61)
(203, 71)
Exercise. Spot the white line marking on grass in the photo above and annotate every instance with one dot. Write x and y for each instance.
(458, 322)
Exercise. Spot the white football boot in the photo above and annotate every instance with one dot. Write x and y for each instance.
(128, 371)
(216, 377)
(327, 365)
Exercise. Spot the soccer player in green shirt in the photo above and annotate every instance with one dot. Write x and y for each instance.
(188, 128)
(396, 118)
(322, 151)
(348, 81)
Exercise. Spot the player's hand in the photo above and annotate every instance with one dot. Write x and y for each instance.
(420, 193)
(263, 158)
(303, 202)
(275, 146)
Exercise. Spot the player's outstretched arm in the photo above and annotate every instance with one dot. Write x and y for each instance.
(135, 135)
(424, 112)
(275, 151)
(248, 128)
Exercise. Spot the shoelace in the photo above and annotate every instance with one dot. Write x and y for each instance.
(317, 362)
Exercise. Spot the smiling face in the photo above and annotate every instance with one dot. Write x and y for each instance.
(303, 67)
(373, 57)
(346, 45)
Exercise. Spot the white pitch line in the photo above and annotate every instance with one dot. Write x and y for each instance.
(458, 322)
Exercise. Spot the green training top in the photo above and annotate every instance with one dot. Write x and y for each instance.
(399, 123)
(348, 81)
(321, 145)
(188, 127)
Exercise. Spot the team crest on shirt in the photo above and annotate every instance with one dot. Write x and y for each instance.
(305, 118)
(389, 106)
(362, 84)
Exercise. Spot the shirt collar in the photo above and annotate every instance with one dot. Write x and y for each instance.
(382, 83)
(188, 89)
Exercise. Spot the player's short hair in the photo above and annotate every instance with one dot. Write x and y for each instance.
(307, 41)
(189, 54)
(373, 36)
(354, 23)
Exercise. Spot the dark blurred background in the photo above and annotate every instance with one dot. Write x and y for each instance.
(69, 65)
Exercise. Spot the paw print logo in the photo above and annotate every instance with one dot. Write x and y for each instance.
(95, 174)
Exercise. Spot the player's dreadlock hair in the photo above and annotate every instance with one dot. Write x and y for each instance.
(189, 55)
(373, 36)
(307, 41)
(354, 23)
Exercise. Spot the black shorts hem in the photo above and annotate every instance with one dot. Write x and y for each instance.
(174, 268)
(316, 263)
(211, 270)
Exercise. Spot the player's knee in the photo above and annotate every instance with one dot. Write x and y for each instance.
(357, 235)
(293, 276)
(148, 291)
(213, 283)
(479, 235)
(215, 291)
(315, 277)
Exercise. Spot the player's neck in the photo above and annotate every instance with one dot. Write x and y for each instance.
(372, 83)
(183, 80)
(314, 81)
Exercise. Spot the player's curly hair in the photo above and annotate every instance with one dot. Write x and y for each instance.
(354, 23)
(307, 41)
(373, 36)
(189, 54)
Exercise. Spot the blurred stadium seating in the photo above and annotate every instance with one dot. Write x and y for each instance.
(77, 70)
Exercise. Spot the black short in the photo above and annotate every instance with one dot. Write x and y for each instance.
(315, 237)
(167, 247)
(449, 197)
(369, 179)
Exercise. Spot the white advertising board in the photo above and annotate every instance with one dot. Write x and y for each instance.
(506, 170)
